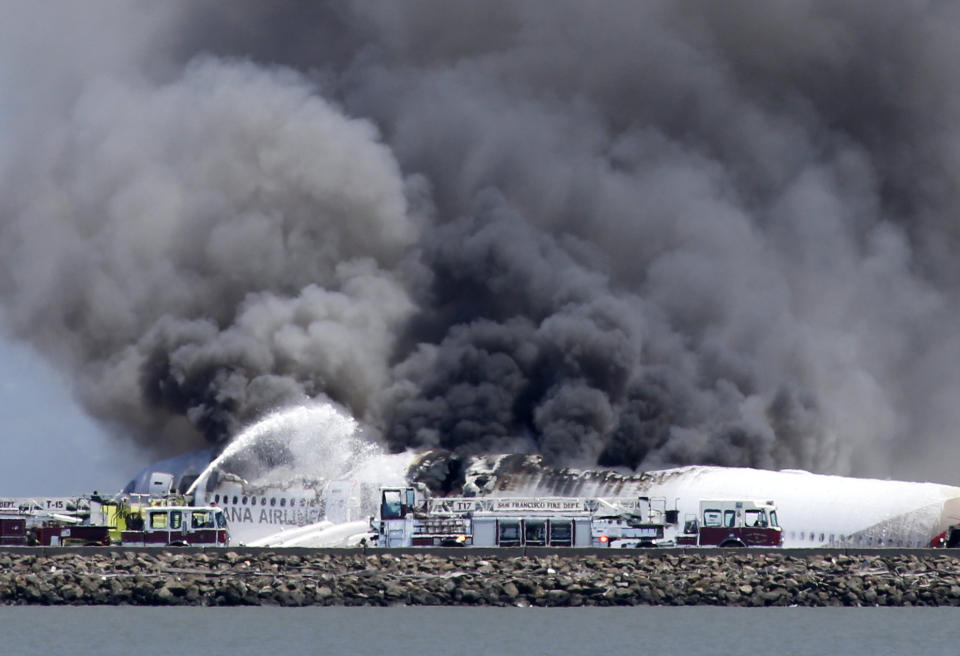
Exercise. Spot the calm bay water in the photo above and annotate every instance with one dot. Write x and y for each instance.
(109, 631)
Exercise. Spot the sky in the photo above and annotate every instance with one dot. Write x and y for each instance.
(50, 446)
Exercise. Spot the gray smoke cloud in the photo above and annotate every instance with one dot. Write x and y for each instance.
(621, 234)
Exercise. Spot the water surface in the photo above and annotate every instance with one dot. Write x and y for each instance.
(110, 631)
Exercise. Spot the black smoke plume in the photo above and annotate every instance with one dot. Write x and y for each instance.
(627, 234)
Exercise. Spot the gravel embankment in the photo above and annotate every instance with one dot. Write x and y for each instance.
(218, 578)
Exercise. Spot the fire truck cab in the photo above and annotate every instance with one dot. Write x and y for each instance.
(396, 522)
(176, 525)
(733, 523)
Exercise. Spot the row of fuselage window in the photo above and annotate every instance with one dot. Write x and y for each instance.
(253, 501)
(859, 540)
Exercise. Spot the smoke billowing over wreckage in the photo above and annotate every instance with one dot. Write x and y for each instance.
(639, 235)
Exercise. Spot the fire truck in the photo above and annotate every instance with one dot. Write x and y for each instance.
(407, 519)
(949, 539)
(49, 521)
(19, 531)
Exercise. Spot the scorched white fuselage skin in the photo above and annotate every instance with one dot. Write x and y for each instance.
(815, 510)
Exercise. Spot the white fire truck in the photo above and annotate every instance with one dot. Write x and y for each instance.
(406, 519)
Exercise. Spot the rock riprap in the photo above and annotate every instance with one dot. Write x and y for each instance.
(231, 577)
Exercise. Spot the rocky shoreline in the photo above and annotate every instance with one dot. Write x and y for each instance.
(355, 578)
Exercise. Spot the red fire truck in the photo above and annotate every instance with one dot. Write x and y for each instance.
(49, 531)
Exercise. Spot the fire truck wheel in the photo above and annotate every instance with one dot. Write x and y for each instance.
(732, 543)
